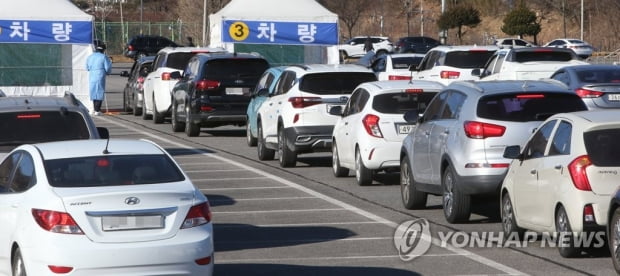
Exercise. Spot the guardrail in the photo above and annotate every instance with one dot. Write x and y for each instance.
(609, 58)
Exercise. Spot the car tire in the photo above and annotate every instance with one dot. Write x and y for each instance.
(381, 52)
(134, 106)
(145, 115)
(125, 103)
(363, 175)
(191, 129)
(562, 225)
(338, 170)
(456, 205)
(509, 220)
(286, 157)
(176, 125)
(158, 117)
(613, 236)
(263, 152)
(250, 139)
(413, 199)
(17, 266)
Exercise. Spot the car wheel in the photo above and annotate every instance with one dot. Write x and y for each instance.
(362, 174)
(567, 248)
(614, 239)
(176, 125)
(509, 221)
(412, 197)
(191, 129)
(456, 205)
(250, 139)
(263, 152)
(158, 117)
(286, 157)
(145, 116)
(18, 267)
(336, 168)
(381, 52)
(134, 106)
(125, 103)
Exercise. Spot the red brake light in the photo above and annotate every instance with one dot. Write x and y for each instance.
(416, 90)
(130, 47)
(207, 85)
(28, 116)
(577, 169)
(371, 124)
(197, 215)
(165, 76)
(301, 102)
(478, 130)
(60, 269)
(449, 74)
(530, 96)
(140, 80)
(393, 77)
(57, 222)
(586, 93)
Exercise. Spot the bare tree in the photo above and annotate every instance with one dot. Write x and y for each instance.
(190, 15)
(349, 12)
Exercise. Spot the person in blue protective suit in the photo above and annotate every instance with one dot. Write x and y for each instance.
(98, 65)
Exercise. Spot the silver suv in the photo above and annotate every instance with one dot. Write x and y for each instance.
(457, 148)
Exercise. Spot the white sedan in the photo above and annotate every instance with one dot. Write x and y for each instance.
(368, 135)
(101, 207)
(563, 179)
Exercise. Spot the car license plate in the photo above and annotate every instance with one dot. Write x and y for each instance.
(613, 97)
(237, 90)
(117, 223)
(405, 129)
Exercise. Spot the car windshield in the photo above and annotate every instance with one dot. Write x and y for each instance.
(27, 127)
(405, 62)
(399, 103)
(527, 56)
(525, 107)
(112, 170)
(599, 75)
(603, 147)
(334, 83)
(467, 59)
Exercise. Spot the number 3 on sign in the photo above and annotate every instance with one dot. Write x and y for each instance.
(239, 31)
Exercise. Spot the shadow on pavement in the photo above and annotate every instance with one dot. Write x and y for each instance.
(303, 270)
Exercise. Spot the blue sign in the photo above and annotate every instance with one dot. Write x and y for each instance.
(270, 32)
(34, 31)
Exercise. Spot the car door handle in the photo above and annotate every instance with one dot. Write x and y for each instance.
(270, 104)
(446, 131)
(533, 172)
(346, 123)
(558, 167)
(427, 133)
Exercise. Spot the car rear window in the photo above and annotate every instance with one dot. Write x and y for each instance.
(40, 126)
(599, 75)
(334, 83)
(467, 59)
(400, 102)
(405, 62)
(248, 70)
(178, 60)
(113, 170)
(525, 107)
(527, 56)
(603, 147)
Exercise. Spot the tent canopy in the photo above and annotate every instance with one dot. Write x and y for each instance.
(58, 10)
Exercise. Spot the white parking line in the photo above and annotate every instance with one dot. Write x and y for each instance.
(298, 224)
(280, 211)
(394, 225)
(244, 188)
(229, 170)
(281, 260)
(264, 198)
(226, 179)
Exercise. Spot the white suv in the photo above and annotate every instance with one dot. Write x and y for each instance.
(295, 119)
(354, 47)
(446, 64)
(158, 84)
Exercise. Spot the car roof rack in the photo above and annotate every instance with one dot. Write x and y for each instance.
(71, 99)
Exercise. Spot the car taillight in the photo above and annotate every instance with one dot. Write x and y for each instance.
(140, 80)
(587, 93)
(60, 269)
(165, 76)
(478, 130)
(28, 116)
(197, 215)
(449, 74)
(130, 48)
(588, 213)
(371, 124)
(414, 90)
(57, 222)
(204, 85)
(393, 77)
(577, 169)
(301, 102)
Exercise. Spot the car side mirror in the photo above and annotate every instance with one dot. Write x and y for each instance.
(476, 72)
(412, 116)
(175, 75)
(263, 92)
(512, 152)
(104, 133)
(124, 74)
(336, 110)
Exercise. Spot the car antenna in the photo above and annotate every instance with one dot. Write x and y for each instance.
(107, 142)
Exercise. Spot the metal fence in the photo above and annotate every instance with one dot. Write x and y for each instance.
(117, 34)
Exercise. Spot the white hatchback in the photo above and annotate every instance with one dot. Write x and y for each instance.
(446, 64)
(369, 132)
(101, 207)
(563, 179)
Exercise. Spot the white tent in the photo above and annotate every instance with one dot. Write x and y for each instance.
(273, 12)
(43, 48)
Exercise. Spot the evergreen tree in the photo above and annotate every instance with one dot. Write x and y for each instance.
(458, 17)
(521, 21)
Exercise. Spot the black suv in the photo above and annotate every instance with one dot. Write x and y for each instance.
(147, 45)
(415, 44)
(214, 90)
(36, 119)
